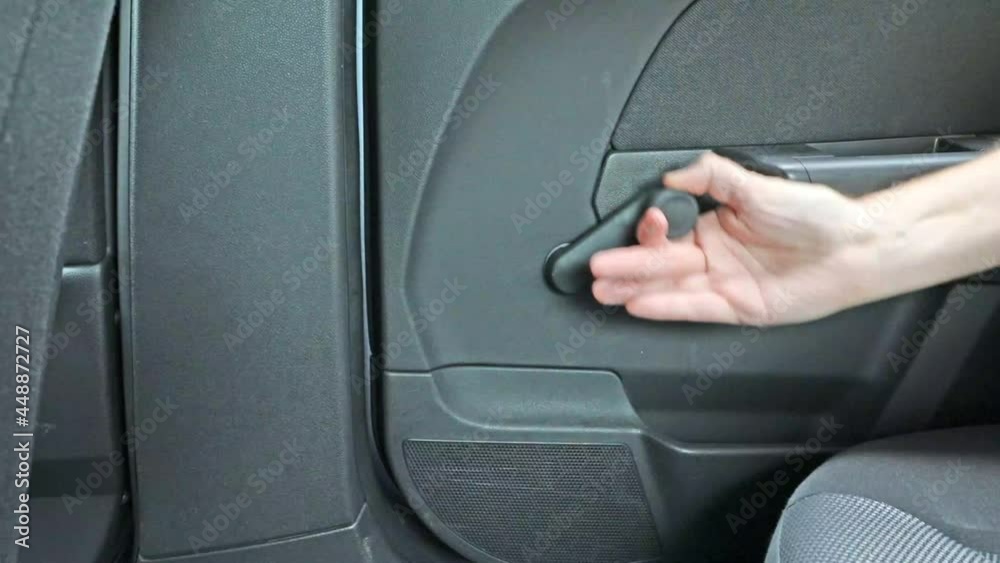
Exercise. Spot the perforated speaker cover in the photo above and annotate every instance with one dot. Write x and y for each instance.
(537, 502)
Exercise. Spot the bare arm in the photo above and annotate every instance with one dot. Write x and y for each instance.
(935, 228)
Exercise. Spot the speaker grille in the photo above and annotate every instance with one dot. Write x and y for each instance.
(537, 502)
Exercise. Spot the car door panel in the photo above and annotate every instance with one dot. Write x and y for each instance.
(305, 312)
(241, 259)
(504, 154)
(80, 481)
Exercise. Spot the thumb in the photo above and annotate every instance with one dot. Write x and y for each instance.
(652, 229)
(721, 178)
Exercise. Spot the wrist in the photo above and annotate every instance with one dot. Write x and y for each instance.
(877, 244)
(920, 235)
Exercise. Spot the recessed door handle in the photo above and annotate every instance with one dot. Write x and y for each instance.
(567, 267)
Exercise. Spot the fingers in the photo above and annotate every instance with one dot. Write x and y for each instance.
(666, 300)
(692, 306)
(658, 278)
(617, 291)
(652, 228)
(647, 262)
(655, 264)
(716, 176)
(614, 291)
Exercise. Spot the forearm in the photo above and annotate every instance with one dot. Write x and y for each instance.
(929, 230)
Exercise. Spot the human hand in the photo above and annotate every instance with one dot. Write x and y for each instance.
(775, 252)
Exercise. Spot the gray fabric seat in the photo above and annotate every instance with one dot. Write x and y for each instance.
(921, 498)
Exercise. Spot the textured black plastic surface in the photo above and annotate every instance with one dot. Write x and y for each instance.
(737, 72)
(93, 532)
(526, 502)
(981, 143)
(242, 262)
(50, 70)
(83, 363)
(855, 175)
(83, 357)
(86, 238)
(626, 173)
(79, 477)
